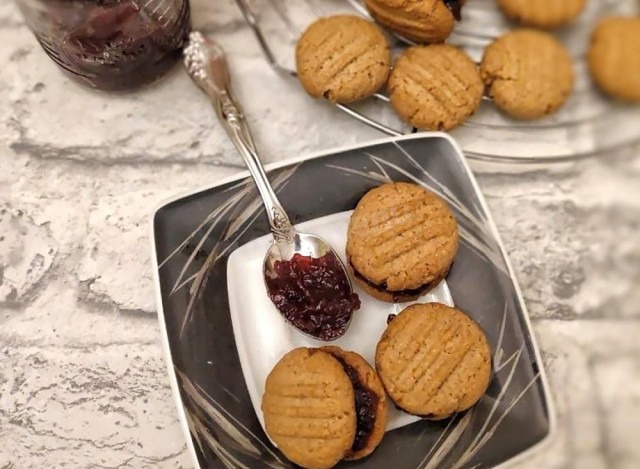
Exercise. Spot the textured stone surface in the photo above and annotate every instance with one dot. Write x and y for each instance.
(82, 378)
(619, 379)
(575, 235)
(109, 273)
(26, 254)
(167, 122)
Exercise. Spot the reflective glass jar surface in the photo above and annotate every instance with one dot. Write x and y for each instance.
(110, 44)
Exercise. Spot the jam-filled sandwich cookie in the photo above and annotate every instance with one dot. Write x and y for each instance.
(529, 73)
(324, 405)
(435, 87)
(401, 241)
(434, 361)
(614, 57)
(543, 13)
(423, 21)
(343, 58)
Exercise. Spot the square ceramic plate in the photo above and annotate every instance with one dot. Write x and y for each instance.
(223, 335)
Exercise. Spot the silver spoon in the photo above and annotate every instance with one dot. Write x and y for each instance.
(205, 62)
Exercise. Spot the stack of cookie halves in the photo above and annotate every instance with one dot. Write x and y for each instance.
(324, 405)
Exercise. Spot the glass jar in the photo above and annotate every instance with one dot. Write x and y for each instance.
(110, 44)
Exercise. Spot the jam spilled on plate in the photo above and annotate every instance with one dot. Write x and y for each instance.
(366, 403)
(314, 295)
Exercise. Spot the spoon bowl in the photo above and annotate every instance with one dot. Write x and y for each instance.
(304, 244)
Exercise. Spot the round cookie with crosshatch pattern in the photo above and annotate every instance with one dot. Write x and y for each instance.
(343, 58)
(401, 241)
(435, 87)
(434, 361)
(614, 57)
(529, 74)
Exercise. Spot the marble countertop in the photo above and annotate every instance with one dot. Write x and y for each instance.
(83, 379)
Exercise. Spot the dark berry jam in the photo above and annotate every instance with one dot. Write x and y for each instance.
(391, 317)
(366, 403)
(110, 44)
(456, 8)
(314, 295)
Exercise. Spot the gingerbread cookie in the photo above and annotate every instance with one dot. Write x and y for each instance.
(543, 13)
(434, 361)
(435, 87)
(614, 57)
(529, 73)
(401, 241)
(343, 58)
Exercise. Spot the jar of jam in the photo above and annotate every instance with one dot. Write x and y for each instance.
(110, 44)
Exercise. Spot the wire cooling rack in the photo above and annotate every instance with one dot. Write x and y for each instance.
(589, 124)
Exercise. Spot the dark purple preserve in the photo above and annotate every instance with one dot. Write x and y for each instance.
(456, 7)
(366, 403)
(314, 294)
(110, 44)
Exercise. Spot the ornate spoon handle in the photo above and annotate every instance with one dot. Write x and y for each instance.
(206, 64)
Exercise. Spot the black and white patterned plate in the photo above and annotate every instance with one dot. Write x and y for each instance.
(194, 235)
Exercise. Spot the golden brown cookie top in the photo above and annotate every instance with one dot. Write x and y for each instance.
(401, 236)
(543, 13)
(423, 21)
(369, 379)
(435, 87)
(309, 409)
(434, 360)
(343, 58)
(614, 57)
(528, 72)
